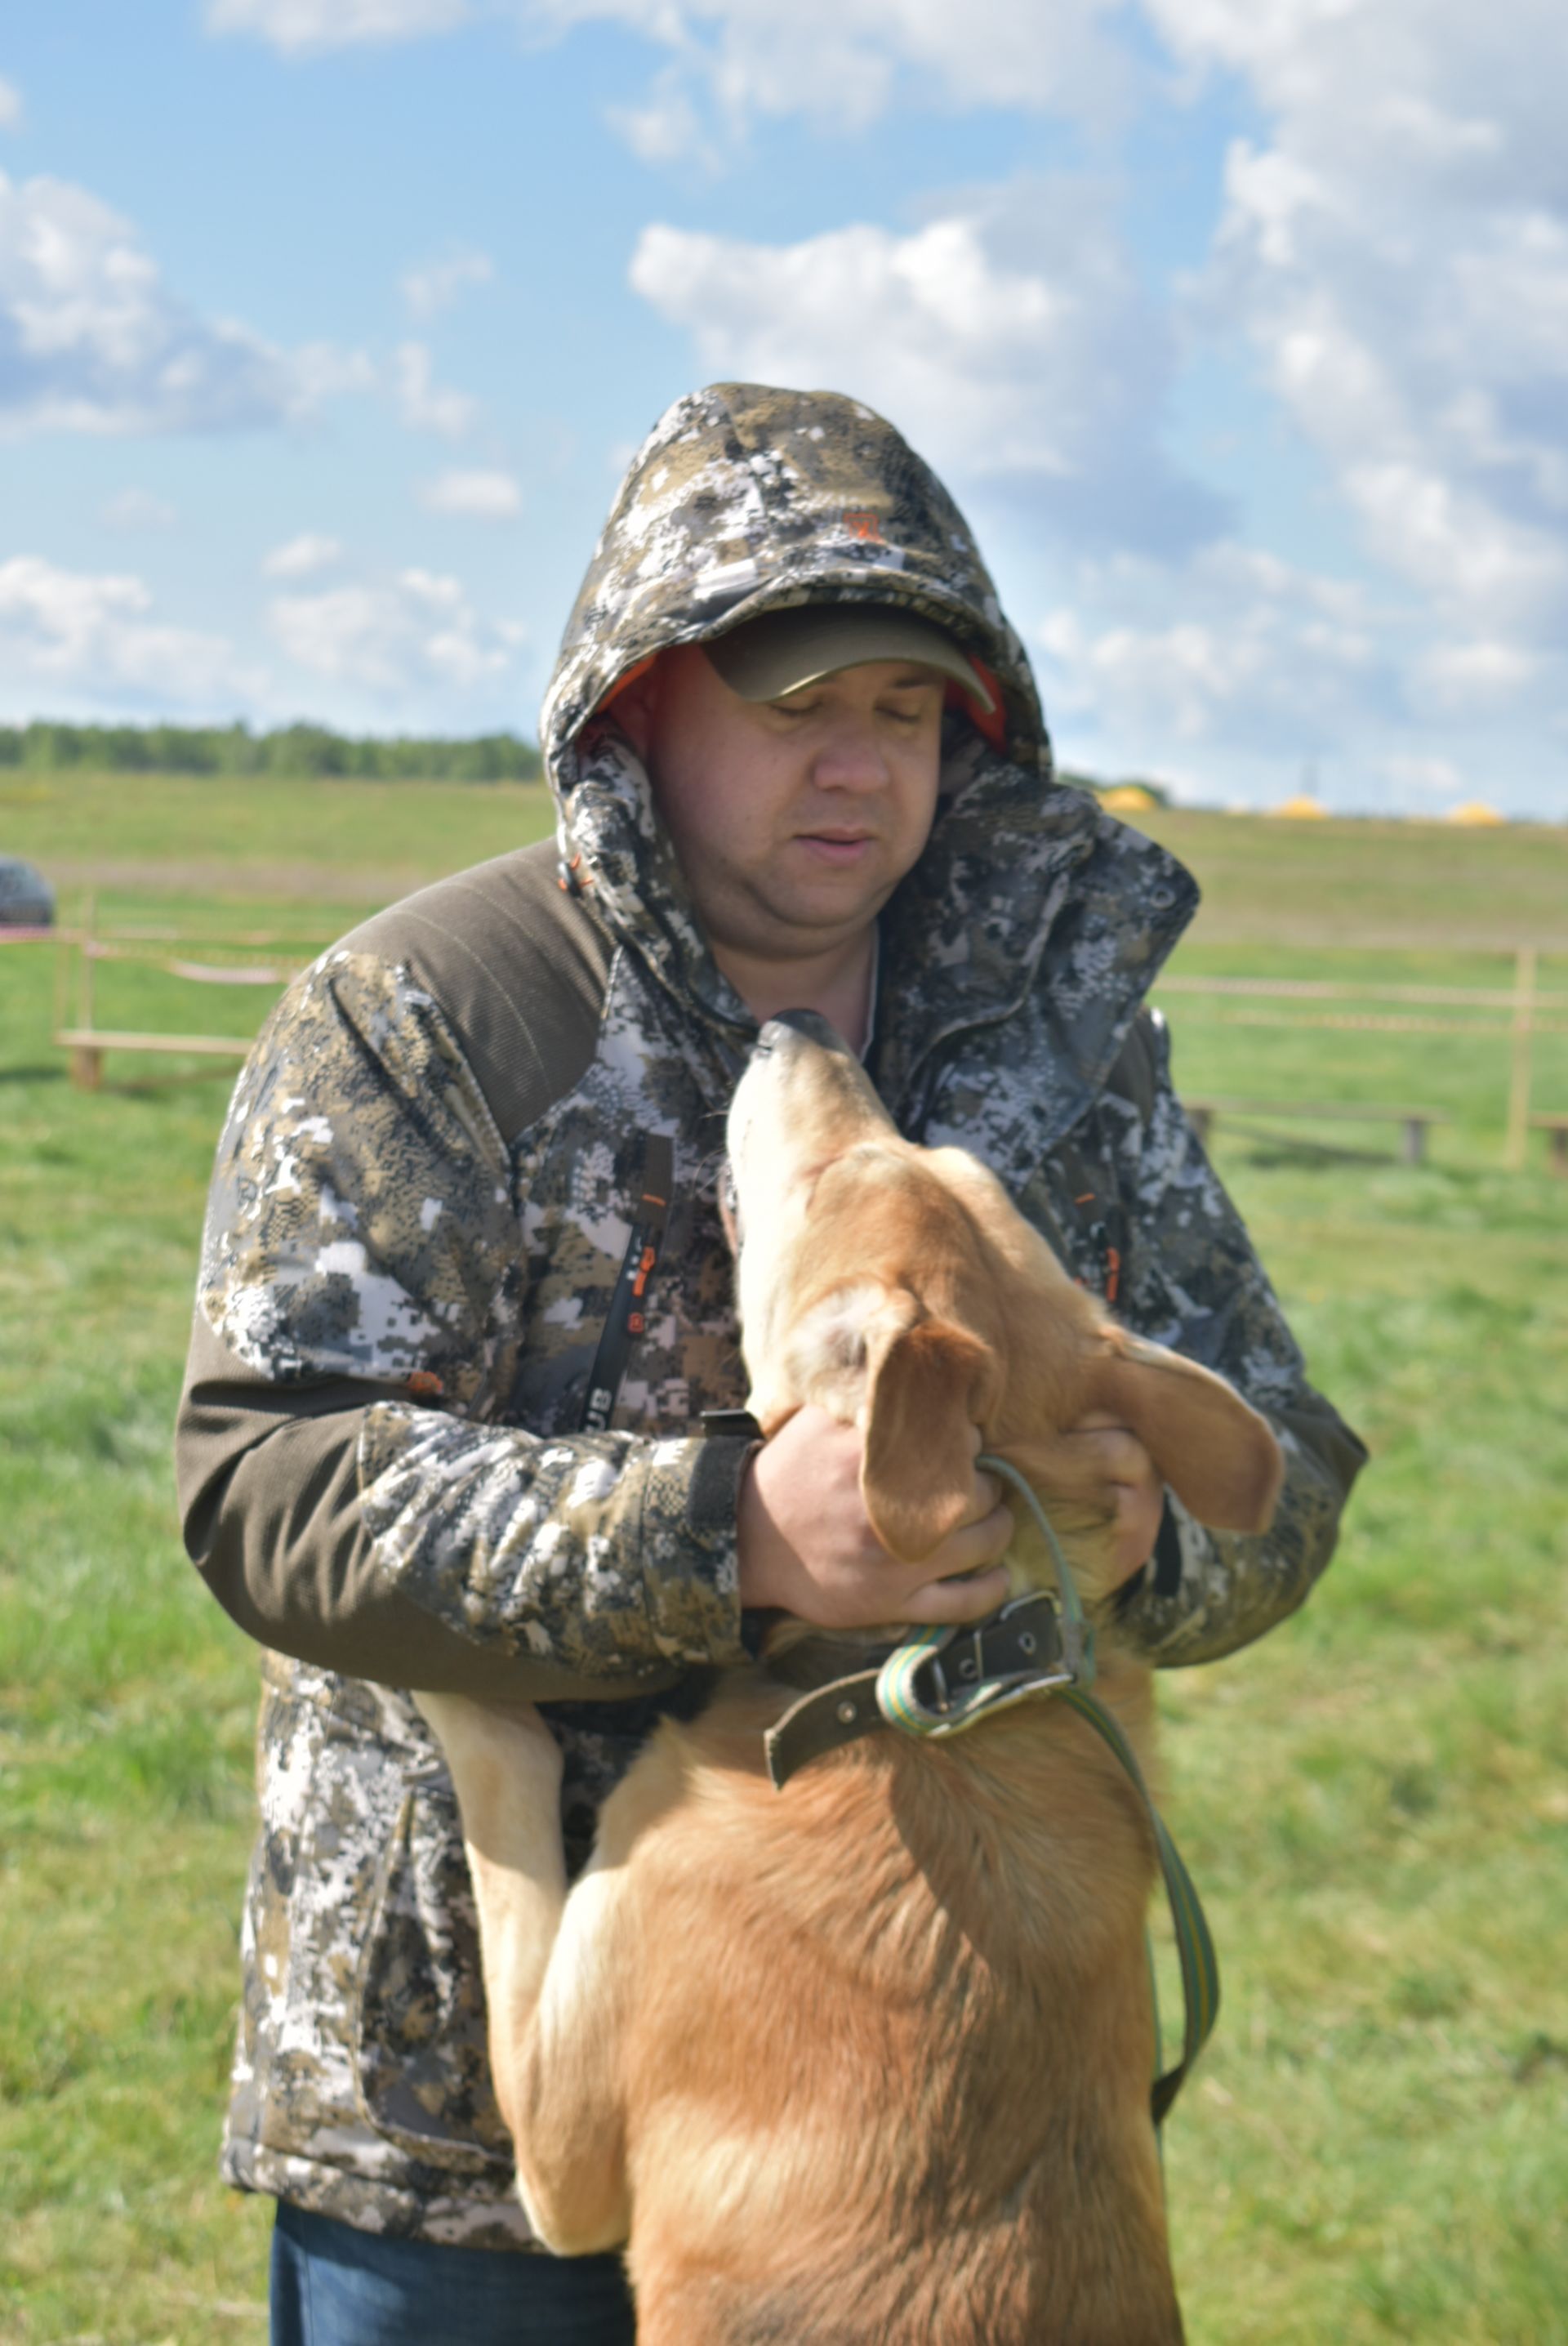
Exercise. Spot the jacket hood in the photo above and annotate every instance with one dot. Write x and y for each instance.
(746, 499)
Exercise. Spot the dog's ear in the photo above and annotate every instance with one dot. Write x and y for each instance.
(1217, 1454)
(930, 1385)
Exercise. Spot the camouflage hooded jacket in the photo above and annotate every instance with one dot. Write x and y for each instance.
(422, 1204)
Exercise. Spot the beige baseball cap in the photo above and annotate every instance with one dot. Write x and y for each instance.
(783, 652)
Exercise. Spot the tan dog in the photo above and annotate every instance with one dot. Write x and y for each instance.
(867, 2062)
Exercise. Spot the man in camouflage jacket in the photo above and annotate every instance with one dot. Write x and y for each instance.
(422, 1206)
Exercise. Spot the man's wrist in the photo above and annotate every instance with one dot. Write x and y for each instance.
(752, 1527)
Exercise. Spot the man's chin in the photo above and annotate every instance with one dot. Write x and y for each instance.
(812, 920)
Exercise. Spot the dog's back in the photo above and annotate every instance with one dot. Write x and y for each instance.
(887, 2075)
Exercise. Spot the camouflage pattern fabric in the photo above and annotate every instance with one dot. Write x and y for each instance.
(370, 1220)
(366, 1220)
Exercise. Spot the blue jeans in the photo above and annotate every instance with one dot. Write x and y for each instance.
(332, 2286)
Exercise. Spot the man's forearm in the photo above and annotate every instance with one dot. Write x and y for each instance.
(281, 1541)
(603, 1553)
(273, 1496)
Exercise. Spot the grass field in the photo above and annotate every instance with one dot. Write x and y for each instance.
(1375, 1800)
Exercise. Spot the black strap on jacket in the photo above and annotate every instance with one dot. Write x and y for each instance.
(628, 1305)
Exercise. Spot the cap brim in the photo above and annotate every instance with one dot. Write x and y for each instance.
(784, 651)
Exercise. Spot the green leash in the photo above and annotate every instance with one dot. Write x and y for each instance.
(902, 1706)
(1195, 1943)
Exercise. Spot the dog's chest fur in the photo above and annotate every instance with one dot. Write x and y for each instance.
(899, 1993)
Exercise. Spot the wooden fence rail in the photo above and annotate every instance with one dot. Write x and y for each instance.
(1523, 1003)
(1516, 1015)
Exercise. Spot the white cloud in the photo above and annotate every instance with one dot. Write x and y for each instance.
(323, 370)
(302, 557)
(91, 338)
(1258, 653)
(1009, 340)
(422, 405)
(1231, 672)
(138, 509)
(94, 634)
(476, 496)
(432, 286)
(839, 63)
(1472, 677)
(1432, 777)
(300, 25)
(667, 127)
(417, 629)
(1454, 541)
(10, 106)
(843, 63)
(1395, 245)
(80, 639)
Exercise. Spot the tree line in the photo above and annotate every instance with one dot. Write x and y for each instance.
(49, 747)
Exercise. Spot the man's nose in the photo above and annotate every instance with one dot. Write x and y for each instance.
(850, 759)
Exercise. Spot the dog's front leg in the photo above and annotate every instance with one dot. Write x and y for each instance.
(553, 1994)
(558, 2084)
(507, 1768)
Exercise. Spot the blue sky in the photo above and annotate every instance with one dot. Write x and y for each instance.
(1239, 327)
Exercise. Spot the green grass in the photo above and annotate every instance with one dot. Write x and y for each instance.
(1374, 1800)
(1432, 884)
(349, 836)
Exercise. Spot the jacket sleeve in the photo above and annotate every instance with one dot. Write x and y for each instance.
(1192, 1281)
(345, 1488)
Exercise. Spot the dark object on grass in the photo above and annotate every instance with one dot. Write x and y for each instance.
(26, 899)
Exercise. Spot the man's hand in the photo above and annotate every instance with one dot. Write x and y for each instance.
(807, 1546)
(1128, 1487)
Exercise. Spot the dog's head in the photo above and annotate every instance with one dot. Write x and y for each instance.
(899, 1287)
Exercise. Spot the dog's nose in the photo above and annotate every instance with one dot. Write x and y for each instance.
(780, 1033)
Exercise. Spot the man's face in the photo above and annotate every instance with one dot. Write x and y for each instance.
(794, 820)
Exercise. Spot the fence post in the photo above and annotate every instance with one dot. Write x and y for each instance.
(87, 1061)
(84, 967)
(63, 943)
(1517, 1151)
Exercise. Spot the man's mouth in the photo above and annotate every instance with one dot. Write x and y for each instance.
(836, 842)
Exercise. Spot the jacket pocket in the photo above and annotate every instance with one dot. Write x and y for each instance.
(421, 2067)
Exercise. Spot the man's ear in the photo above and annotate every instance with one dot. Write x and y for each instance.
(929, 1387)
(1217, 1454)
